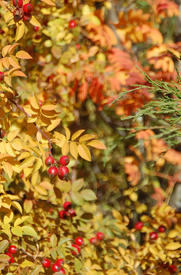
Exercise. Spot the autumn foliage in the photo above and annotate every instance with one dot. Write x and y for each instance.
(90, 157)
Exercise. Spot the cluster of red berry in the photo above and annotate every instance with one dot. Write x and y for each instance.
(56, 267)
(99, 237)
(154, 236)
(78, 242)
(11, 251)
(22, 11)
(68, 211)
(61, 171)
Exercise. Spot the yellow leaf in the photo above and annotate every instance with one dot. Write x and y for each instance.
(41, 190)
(20, 31)
(87, 137)
(12, 135)
(65, 148)
(173, 246)
(35, 22)
(77, 134)
(9, 149)
(27, 162)
(18, 73)
(8, 169)
(97, 144)
(34, 103)
(5, 50)
(12, 48)
(14, 62)
(67, 133)
(48, 2)
(17, 206)
(117, 215)
(74, 149)
(84, 152)
(48, 107)
(17, 231)
(23, 55)
(54, 124)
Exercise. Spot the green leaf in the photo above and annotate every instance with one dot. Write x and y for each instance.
(88, 195)
(4, 258)
(17, 231)
(3, 245)
(28, 230)
(64, 240)
(53, 240)
(77, 185)
(37, 270)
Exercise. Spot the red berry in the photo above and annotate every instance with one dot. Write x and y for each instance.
(53, 171)
(93, 240)
(12, 249)
(46, 263)
(100, 236)
(2, 133)
(63, 172)
(72, 212)
(36, 28)
(77, 248)
(62, 271)
(26, 17)
(77, 46)
(11, 260)
(49, 161)
(153, 236)
(1, 76)
(62, 214)
(67, 205)
(28, 8)
(55, 267)
(72, 24)
(79, 241)
(139, 225)
(18, 3)
(162, 229)
(59, 262)
(64, 160)
(172, 268)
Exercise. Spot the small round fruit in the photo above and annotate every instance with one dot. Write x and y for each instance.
(49, 160)
(26, 17)
(77, 46)
(46, 263)
(62, 271)
(1, 76)
(55, 267)
(63, 172)
(153, 236)
(11, 259)
(62, 214)
(36, 28)
(53, 171)
(100, 236)
(77, 248)
(59, 262)
(18, 3)
(79, 241)
(93, 240)
(72, 24)
(12, 249)
(72, 213)
(64, 160)
(172, 268)
(67, 205)
(27, 8)
(139, 225)
(162, 229)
